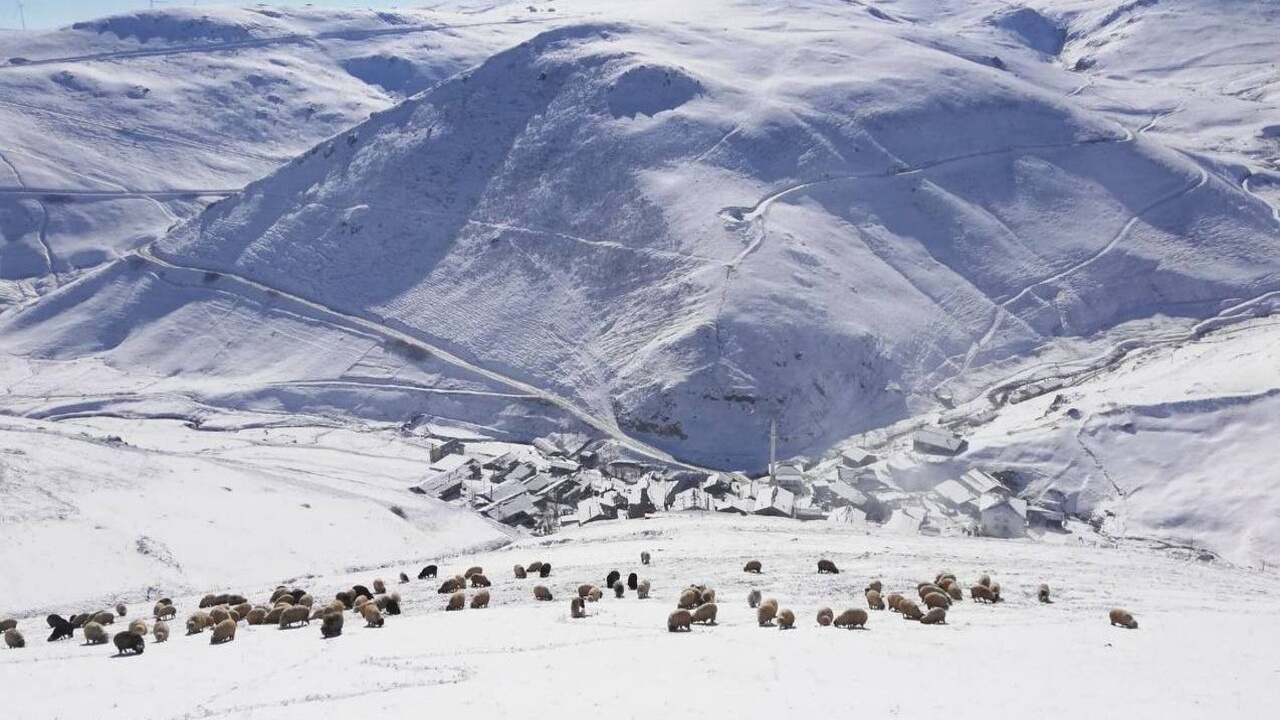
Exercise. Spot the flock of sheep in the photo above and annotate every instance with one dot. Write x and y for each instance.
(286, 607)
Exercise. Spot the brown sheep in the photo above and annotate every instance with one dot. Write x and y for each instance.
(219, 614)
(520, 573)
(295, 615)
(404, 578)
(104, 618)
(644, 557)
(273, 615)
(456, 601)
(95, 634)
(161, 631)
(925, 589)
(753, 566)
(874, 601)
(595, 594)
(955, 591)
(995, 590)
(480, 581)
(8, 624)
(372, 615)
(1123, 618)
(138, 626)
(935, 616)
(534, 567)
(14, 639)
(541, 593)
(619, 589)
(944, 578)
(198, 622)
(473, 570)
(705, 614)
(164, 611)
(909, 610)
(379, 587)
(876, 585)
(257, 616)
(825, 616)
(223, 632)
(577, 608)
(766, 612)
(936, 600)
(360, 602)
(679, 620)
(893, 601)
(708, 596)
(208, 601)
(689, 599)
(753, 598)
(826, 567)
(985, 581)
(304, 599)
(346, 598)
(852, 618)
(278, 593)
(786, 620)
(331, 624)
(1043, 593)
(129, 643)
(642, 590)
(584, 589)
(480, 600)
(121, 609)
(981, 593)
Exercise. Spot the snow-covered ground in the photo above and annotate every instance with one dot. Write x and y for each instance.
(1205, 641)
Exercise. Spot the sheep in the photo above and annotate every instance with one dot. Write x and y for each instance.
(480, 581)
(644, 557)
(545, 570)
(753, 598)
(577, 609)
(257, 616)
(304, 599)
(708, 596)
(633, 580)
(13, 639)
(642, 590)
(428, 571)
(619, 589)
(935, 616)
(94, 633)
(909, 610)
(825, 616)
(786, 619)
(985, 581)
(893, 601)
(208, 601)
(121, 609)
(346, 598)
(389, 604)
(278, 593)
(584, 589)
(679, 620)
(533, 567)
(161, 631)
(480, 600)
(924, 589)
(611, 578)
(826, 567)
(753, 566)
(520, 572)
(357, 591)
(943, 578)
(705, 614)
(689, 598)
(595, 595)
(995, 591)
(331, 625)
(541, 593)
(372, 616)
(766, 612)
(955, 591)
(876, 585)
(403, 578)
(448, 587)
(8, 624)
(981, 593)
(874, 601)
(295, 615)
(273, 615)
(165, 612)
(198, 622)
(851, 618)
(104, 618)
(1043, 593)
(129, 643)
(219, 614)
(473, 570)
(138, 626)
(936, 600)
(379, 587)
(1123, 618)
(223, 632)
(60, 627)
(457, 601)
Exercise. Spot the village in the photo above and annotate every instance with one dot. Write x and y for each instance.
(560, 480)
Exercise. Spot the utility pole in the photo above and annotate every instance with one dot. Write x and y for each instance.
(773, 452)
(22, 16)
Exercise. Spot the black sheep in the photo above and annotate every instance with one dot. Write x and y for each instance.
(545, 570)
(612, 578)
(61, 628)
(632, 581)
(129, 643)
(826, 566)
(427, 572)
(392, 607)
(359, 590)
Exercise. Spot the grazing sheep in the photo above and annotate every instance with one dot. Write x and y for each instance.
(619, 589)
(77, 620)
(943, 578)
(447, 587)
(985, 581)
(577, 609)
(480, 581)
(278, 593)
(95, 634)
(584, 589)
(642, 590)
(480, 600)
(955, 592)
(121, 609)
(705, 614)
(632, 581)
(347, 599)
(909, 610)
(104, 618)
(14, 639)
(403, 578)
(295, 615)
(893, 601)
(981, 593)
(196, 623)
(273, 615)
(595, 595)
(520, 572)
(60, 627)
(644, 557)
(257, 616)
(995, 591)
(473, 570)
(825, 616)
(138, 626)
(689, 598)
(457, 601)
(164, 611)
(358, 590)
(331, 625)
(1123, 618)
(929, 589)
(876, 585)
(428, 571)
(611, 578)
(372, 616)
(874, 601)
(679, 620)
(708, 596)
(937, 600)
(753, 566)
(766, 612)
(304, 599)
(219, 614)
(129, 643)
(389, 604)
(786, 619)
(945, 582)
(161, 631)
(545, 570)
(223, 632)
(753, 598)
(379, 587)
(826, 567)
(1043, 593)
(541, 593)
(852, 618)
(208, 601)
(533, 567)
(8, 624)
(935, 616)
